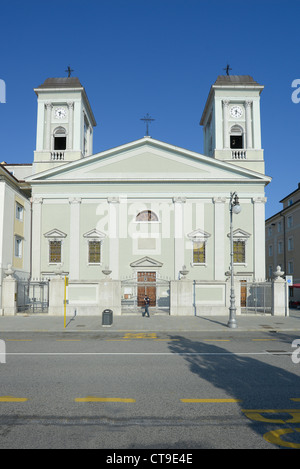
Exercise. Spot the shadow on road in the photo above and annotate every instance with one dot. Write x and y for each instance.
(259, 384)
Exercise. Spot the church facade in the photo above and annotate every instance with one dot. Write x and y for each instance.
(147, 214)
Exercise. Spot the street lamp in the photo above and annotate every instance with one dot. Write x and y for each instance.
(234, 207)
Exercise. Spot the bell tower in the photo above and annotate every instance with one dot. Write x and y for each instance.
(231, 122)
(65, 123)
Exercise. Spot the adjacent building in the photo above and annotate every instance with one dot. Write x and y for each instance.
(283, 242)
(15, 226)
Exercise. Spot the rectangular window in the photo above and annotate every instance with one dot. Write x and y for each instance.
(19, 211)
(290, 244)
(270, 271)
(279, 227)
(280, 247)
(270, 231)
(18, 247)
(290, 267)
(239, 252)
(271, 250)
(94, 252)
(55, 252)
(199, 252)
(290, 221)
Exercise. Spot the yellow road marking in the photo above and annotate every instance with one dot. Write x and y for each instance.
(216, 340)
(263, 340)
(68, 340)
(258, 417)
(274, 437)
(295, 399)
(18, 340)
(12, 399)
(211, 400)
(103, 399)
(140, 335)
(166, 340)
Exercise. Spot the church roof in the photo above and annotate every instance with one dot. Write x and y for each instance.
(235, 80)
(65, 82)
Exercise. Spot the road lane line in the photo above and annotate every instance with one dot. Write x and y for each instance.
(18, 340)
(216, 340)
(210, 400)
(103, 399)
(12, 399)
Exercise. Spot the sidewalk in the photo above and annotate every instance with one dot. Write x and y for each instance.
(156, 323)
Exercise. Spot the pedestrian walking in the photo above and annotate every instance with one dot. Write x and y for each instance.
(147, 302)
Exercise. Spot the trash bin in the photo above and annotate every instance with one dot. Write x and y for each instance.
(107, 317)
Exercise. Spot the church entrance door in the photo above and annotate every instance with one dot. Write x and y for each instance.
(145, 288)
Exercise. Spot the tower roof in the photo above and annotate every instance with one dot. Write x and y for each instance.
(65, 82)
(235, 80)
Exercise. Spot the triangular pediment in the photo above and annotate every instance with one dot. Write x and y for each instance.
(198, 235)
(55, 233)
(146, 160)
(240, 234)
(94, 234)
(146, 262)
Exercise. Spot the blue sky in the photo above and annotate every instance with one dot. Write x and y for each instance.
(155, 56)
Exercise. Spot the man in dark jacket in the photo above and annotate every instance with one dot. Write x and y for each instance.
(147, 302)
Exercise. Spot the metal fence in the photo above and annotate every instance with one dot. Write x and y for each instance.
(133, 293)
(256, 298)
(33, 297)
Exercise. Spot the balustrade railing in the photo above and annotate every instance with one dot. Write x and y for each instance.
(58, 155)
(238, 154)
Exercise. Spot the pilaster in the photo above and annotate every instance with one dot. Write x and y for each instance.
(219, 237)
(248, 105)
(113, 233)
(70, 136)
(259, 238)
(74, 237)
(36, 236)
(178, 234)
(226, 140)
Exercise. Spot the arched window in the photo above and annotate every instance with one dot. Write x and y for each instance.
(60, 139)
(146, 215)
(236, 137)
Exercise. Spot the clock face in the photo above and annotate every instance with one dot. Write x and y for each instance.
(236, 111)
(60, 113)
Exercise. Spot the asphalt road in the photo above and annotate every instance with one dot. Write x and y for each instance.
(132, 390)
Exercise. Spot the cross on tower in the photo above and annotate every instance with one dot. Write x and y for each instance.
(69, 71)
(147, 119)
(227, 69)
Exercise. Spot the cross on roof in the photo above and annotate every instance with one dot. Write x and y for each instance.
(69, 71)
(227, 69)
(147, 119)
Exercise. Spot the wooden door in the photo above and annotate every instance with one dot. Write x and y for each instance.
(243, 293)
(143, 290)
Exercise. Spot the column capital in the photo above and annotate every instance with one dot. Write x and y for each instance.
(225, 102)
(248, 103)
(74, 200)
(37, 200)
(70, 104)
(179, 200)
(219, 200)
(113, 200)
(259, 200)
(48, 105)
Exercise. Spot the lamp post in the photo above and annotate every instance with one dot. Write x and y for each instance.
(234, 208)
